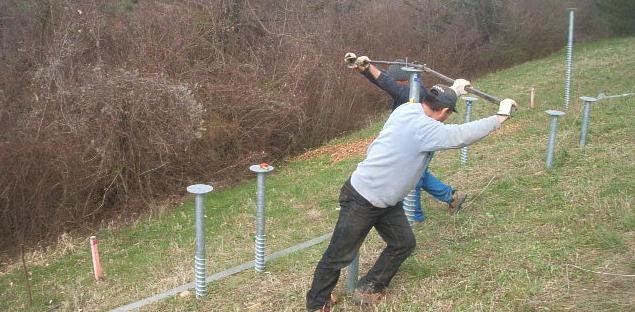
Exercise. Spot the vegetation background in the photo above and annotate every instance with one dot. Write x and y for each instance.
(109, 107)
(528, 239)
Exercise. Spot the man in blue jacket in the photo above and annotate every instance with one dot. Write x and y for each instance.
(395, 83)
(372, 196)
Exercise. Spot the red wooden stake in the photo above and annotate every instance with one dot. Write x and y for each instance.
(95, 252)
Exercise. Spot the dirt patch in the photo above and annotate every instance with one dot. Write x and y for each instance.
(338, 152)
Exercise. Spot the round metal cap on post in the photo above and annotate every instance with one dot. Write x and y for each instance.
(260, 171)
(466, 119)
(585, 117)
(552, 135)
(199, 257)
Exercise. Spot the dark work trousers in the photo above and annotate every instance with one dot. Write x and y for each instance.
(357, 216)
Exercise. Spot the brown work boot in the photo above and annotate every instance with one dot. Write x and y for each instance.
(367, 298)
(457, 201)
(327, 306)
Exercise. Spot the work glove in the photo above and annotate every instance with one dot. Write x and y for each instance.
(507, 107)
(459, 86)
(349, 59)
(362, 63)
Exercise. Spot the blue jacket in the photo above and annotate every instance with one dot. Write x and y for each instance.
(399, 93)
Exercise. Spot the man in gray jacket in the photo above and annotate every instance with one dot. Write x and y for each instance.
(395, 83)
(372, 196)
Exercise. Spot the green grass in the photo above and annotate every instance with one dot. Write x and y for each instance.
(512, 249)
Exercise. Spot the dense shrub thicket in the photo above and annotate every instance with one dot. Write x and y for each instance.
(109, 105)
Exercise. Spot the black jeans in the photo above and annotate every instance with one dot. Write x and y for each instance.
(357, 216)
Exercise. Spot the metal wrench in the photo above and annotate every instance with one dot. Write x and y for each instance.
(427, 69)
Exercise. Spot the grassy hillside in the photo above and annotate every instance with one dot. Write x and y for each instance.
(524, 241)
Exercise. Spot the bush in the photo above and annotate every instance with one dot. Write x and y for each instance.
(619, 15)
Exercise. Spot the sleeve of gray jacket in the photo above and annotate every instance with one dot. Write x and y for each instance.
(438, 136)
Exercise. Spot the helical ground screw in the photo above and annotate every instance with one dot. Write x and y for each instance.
(585, 117)
(466, 119)
(569, 59)
(351, 274)
(414, 97)
(552, 135)
(409, 206)
(199, 257)
(260, 171)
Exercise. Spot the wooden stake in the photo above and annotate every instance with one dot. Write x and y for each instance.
(95, 253)
(531, 97)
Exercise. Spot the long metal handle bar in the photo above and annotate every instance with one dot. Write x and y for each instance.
(441, 76)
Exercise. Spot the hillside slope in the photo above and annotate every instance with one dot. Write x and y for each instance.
(527, 239)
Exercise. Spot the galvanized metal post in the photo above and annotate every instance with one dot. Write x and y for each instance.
(408, 206)
(260, 171)
(351, 274)
(414, 83)
(585, 117)
(199, 257)
(569, 59)
(414, 96)
(466, 119)
(552, 135)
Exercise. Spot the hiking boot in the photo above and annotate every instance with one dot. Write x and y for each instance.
(418, 220)
(327, 306)
(457, 202)
(367, 298)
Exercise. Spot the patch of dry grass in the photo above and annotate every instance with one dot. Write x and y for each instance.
(338, 152)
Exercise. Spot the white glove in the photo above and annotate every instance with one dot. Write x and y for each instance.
(459, 86)
(349, 59)
(507, 107)
(362, 62)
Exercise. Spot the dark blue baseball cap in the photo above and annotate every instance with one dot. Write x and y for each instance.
(441, 96)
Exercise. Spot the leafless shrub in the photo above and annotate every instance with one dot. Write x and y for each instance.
(112, 138)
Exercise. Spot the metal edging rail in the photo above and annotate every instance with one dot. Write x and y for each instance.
(221, 275)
